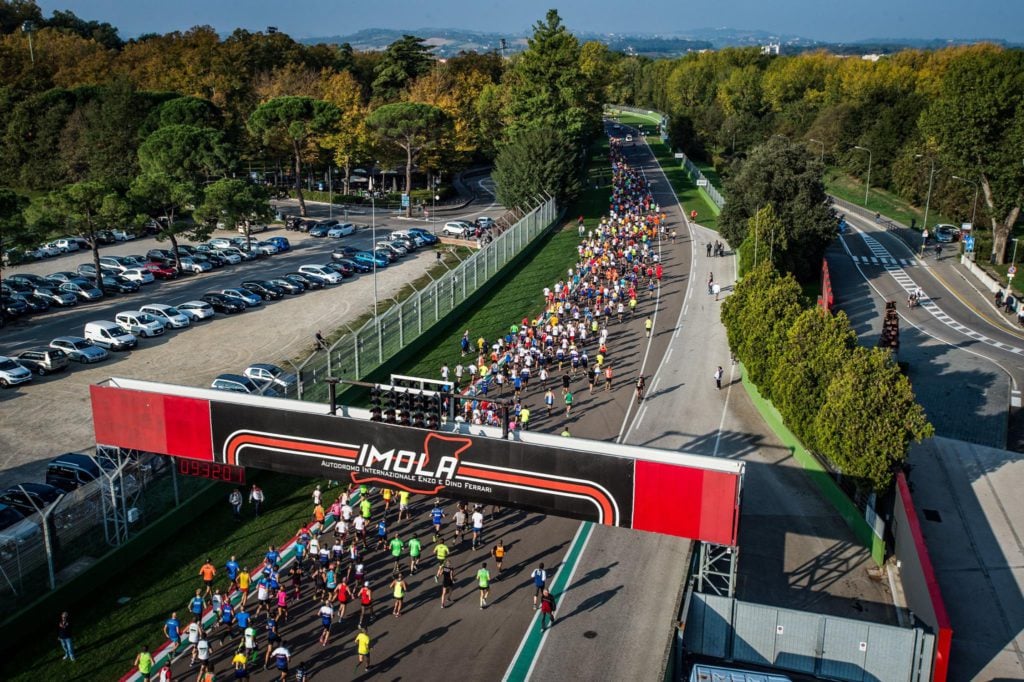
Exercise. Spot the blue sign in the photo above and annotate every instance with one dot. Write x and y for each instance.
(842, 226)
(969, 243)
(405, 201)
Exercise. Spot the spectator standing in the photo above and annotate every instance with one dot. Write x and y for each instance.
(235, 500)
(64, 636)
(256, 498)
(718, 377)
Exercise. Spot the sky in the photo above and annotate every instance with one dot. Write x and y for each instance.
(830, 20)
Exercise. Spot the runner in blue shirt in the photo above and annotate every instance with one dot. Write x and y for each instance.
(196, 605)
(273, 556)
(382, 534)
(231, 568)
(436, 517)
(172, 629)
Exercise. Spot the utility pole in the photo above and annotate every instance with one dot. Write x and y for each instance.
(867, 185)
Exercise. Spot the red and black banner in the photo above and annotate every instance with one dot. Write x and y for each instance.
(613, 490)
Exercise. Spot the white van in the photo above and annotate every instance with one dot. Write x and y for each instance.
(109, 335)
(141, 324)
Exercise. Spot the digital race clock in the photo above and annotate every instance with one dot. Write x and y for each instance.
(211, 470)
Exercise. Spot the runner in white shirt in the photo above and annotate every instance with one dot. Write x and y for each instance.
(346, 512)
(193, 638)
(478, 525)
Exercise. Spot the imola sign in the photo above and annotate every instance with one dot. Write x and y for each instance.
(632, 487)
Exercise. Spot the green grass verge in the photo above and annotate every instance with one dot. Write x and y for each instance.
(108, 634)
(851, 189)
(689, 194)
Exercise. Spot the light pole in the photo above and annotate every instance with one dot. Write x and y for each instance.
(867, 185)
(373, 248)
(928, 199)
(330, 192)
(974, 210)
(822, 149)
(26, 28)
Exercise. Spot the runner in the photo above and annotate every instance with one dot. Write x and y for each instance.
(397, 547)
(478, 525)
(281, 656)
(403, 505)
(203, 654)
(362, 648)
(398, 589)
(547, 609)
(436, 517)
(326, 614)
(172, 631)
(460, 524)
(144, 663)
(540, 581)
(243, 586)
(499, 555)
(483, 580)
(447, 582)
(441, 551)
(232, 568)
(195, 633)
(415, 549)
(207, 572)
(365, 603)
(344, 595)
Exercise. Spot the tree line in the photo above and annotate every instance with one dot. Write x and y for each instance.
(961, 108)
(172, 125)
(849, 404)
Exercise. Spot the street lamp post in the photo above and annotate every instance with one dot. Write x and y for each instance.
(26, 28)
(373, 248)
(867, 185)
(822, 149)
(330, 192)
(974, 210)
(928, 199)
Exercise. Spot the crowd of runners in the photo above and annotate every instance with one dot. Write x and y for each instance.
(615, 280)
(365, 545)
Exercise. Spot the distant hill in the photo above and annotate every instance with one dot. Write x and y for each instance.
(448, 42)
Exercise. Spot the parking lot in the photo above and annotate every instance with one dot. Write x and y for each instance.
(52, 415)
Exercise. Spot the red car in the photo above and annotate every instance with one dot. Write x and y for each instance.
(161, 271)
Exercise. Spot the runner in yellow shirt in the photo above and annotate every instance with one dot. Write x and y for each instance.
(243, 585)
(362, 648)
(403, 505)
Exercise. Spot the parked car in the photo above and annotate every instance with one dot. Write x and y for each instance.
(410, 236)
(387, 254)
(485, 222)
(115, 263)
(264, 248)
(196, 310)
(263, 289)
(457, 228)
(11, 373)
(233, 257)
(287, 286)
(253, 229)
(305, 280)
(240, 251)
(43, 360)
(13, 307)
(62, 277)
(426, 236)
(118, 284)
(341, 230)
(140, 275)
(160, 255)
(161, 270)
(47, 250)
(66, 244)
(344, 252)
(271, 375)
(79, 349)
(16, 530)
(250, 299)
(139, 324)
(340, 268)
(219, 242)
(190, 264)
(209, 257)
(281, 243)
(36, 304)
(946, 234)
(371, 259)
(236, 383)
(186, 250)
(88, 271)
(57, 297)
(109, 335)
(223, 304)
(12, 287)
(29, 498)
(123, 235)
(167, 314)
(83, 289)
(74, 469)
(318, 231)
(31, 280)
(394, 247)
(356, 266)
(320, 273)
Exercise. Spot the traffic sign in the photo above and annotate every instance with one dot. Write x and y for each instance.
(702, 182)
(405, 201)
(1012, 270)
(680, 155)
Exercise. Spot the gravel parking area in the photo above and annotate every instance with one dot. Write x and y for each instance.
(52, 414)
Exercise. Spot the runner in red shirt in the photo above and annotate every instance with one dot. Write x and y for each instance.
(344, 596)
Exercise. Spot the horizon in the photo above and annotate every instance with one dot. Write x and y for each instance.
(871, 20)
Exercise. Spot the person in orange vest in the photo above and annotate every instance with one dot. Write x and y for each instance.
(608, 378)
(693, 214)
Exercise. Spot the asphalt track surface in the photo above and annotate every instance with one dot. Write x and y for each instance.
(617, 611)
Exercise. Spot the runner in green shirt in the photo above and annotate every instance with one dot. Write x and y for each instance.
(483, 579)
(396, 546)
(364, 507)
(414, 554)
(568, 402)
(144, 662)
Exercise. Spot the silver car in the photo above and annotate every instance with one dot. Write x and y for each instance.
(12, 373)
(79, 349)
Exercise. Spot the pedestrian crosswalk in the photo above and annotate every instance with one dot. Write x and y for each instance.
(883, 260)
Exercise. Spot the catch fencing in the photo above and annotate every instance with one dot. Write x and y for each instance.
(50, 547)
(359, 352)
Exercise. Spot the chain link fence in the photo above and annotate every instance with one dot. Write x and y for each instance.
(361, 351)
(57, 543)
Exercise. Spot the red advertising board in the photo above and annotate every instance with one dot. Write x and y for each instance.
(627, 486)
